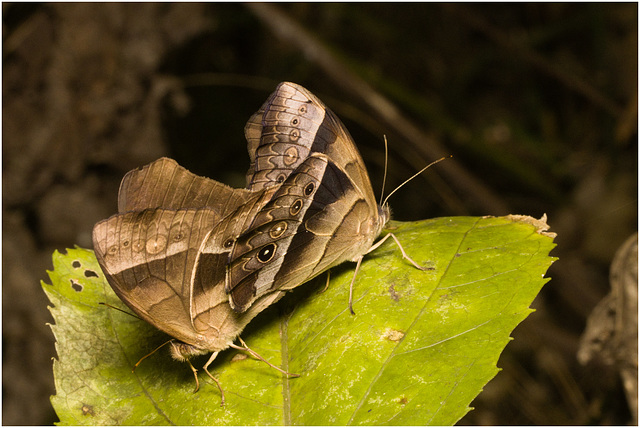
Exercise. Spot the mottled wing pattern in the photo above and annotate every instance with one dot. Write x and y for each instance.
(287, 125)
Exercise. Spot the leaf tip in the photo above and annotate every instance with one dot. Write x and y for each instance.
(540, 224)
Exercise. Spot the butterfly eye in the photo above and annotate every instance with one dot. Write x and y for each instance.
(296, 207)
(278, 229)
(228, 243)
(266, 253)
(309, 189)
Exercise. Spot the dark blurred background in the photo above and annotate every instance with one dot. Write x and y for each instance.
(537, 103)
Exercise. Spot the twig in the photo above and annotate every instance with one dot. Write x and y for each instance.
(571, 81)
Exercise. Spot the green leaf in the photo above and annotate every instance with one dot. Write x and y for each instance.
(420, 348)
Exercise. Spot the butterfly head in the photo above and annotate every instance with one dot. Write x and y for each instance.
(181, 351)
(384, 215)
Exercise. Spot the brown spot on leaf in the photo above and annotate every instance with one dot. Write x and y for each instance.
(403, 400)
(87, 410)
(392, 292)
(239, 357)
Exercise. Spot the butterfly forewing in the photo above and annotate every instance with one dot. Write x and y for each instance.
(165, 184)
(291, 125)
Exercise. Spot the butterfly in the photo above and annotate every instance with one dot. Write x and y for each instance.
(198, 259)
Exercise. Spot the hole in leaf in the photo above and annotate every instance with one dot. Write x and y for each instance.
(76, 264)
(89, 273)
(76, 286)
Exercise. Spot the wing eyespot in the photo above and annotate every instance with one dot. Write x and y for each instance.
(266, 253)
(296, 207)
(281, 178)
(309, 189)
(156, 244)
(291, 155)
(278, 229)
(228, 243)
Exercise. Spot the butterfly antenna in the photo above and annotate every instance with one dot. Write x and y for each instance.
(150, 354)
(118, 309)
(386, 159)
(412, 177)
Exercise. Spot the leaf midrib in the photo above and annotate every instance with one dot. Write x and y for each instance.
(393, 353)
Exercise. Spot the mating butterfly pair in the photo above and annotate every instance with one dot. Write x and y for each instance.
(199, 259)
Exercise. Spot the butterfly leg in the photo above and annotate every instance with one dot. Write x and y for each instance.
(195, 375)
(150, 354)
(374, 247)
(205, 368)
(244, 347)
(404, 254)
(326, 286)
(353, 280)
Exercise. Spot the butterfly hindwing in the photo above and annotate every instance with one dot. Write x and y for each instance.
(149, 256)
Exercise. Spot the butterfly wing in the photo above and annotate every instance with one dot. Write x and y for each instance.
(165, 184)
(316, 219)
(292, 124)
(148, 258)
(210, 274)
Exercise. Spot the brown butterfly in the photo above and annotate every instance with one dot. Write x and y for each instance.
(198, 259)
